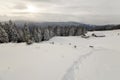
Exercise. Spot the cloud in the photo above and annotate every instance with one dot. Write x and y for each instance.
(87, 11)
(39, 0)
(90, 18)
(20, 6)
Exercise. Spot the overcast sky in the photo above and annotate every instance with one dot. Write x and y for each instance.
(86, 11)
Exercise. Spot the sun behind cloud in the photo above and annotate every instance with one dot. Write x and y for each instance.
(31, 9)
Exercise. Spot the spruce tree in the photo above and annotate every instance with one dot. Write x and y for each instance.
(27, 35)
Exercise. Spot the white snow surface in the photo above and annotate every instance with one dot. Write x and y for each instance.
(63, 58)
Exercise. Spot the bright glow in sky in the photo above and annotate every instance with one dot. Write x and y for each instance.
(31, 9)
(87, 11)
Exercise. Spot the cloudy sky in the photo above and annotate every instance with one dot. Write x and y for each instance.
(86, 11)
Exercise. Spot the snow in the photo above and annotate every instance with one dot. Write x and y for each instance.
(98, 35)
(61, 60)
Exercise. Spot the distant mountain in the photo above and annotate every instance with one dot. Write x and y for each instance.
(44, 24)
(89, 27)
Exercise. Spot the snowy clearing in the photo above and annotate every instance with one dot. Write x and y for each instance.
(63, 58)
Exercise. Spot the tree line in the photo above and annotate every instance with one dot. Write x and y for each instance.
(103, 27)
(10, 32)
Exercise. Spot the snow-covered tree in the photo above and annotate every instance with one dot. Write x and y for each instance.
(46, 34)
(3, 36)
(12, 32)
(37, 34)
(27, 35)
(71, 31)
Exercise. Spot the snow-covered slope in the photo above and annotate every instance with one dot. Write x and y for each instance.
(63, 58)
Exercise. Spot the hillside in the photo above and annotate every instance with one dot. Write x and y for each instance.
(63, 58)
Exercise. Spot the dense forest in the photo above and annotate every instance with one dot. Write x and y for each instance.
(102, 27)
(10, 32)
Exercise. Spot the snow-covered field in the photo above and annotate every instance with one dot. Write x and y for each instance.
(63, 58)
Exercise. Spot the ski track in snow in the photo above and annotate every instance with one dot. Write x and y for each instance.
(73, 70)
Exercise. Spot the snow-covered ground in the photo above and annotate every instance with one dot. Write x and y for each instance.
(63, 58)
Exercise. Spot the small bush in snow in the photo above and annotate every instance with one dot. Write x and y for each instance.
(29, 42)
(75, 46)
(91, 46)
